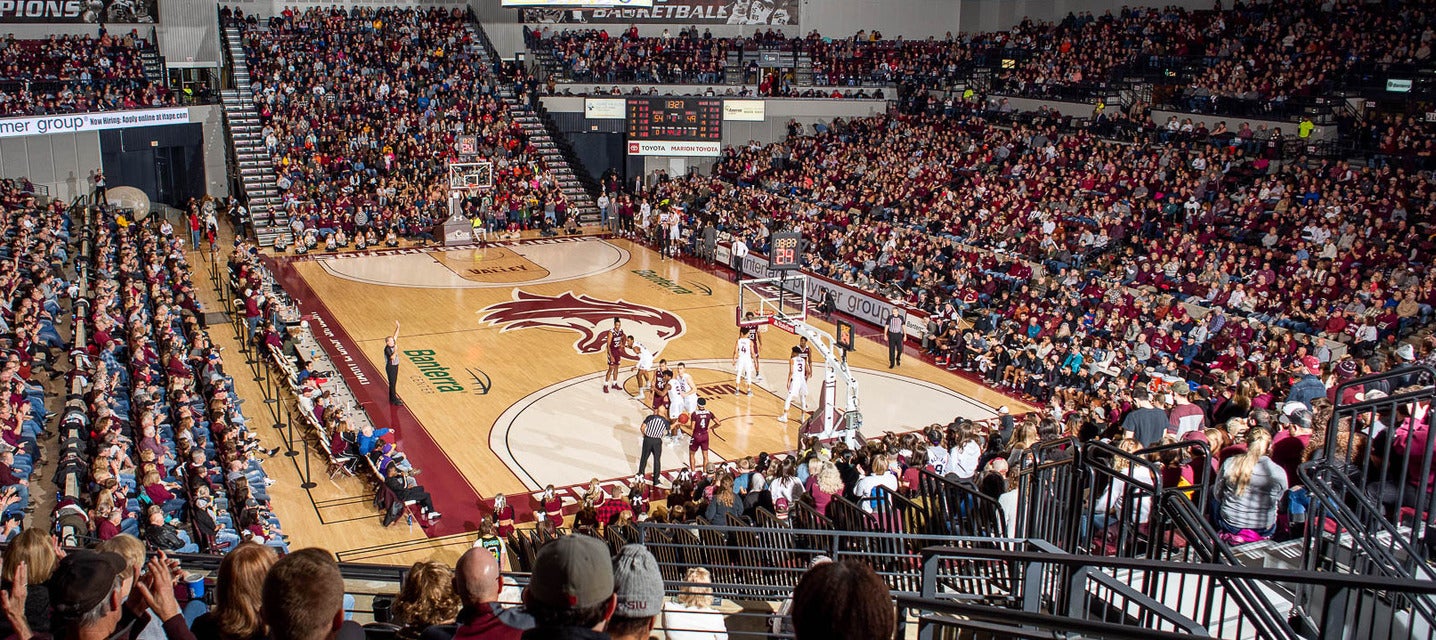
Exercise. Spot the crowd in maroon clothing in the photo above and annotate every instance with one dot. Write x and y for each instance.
(1080, 260)
(362, 110)
(76, 74)
(1265, 53)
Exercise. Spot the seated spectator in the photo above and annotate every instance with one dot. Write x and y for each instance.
(842, 601)
(238, 590)
(36, 550)
(638, 589)
(477, 582)
(303, 598)
(570, 593)
(692, 616)
(1250, 490)
(427, 598)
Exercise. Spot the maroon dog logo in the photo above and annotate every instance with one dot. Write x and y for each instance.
(590, 317)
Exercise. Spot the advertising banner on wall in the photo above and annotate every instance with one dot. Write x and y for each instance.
(79, 11)
(674, 148)
(78, 122)
(685, 12)
(748, 110)
(847, 300)
(605, 108)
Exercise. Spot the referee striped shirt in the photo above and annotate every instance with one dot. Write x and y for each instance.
(655, 426)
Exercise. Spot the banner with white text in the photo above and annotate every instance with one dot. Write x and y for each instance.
(684, 12)
(81, 122)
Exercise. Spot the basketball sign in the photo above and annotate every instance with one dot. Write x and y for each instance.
(786, 253)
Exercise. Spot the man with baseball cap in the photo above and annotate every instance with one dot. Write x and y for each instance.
(1309, 386)
(638, 588)
(570, 592)
(94, 596)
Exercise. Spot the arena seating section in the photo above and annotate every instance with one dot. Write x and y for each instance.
(1086, 264)
(1257, 58)
(76, 74)
(360, 121)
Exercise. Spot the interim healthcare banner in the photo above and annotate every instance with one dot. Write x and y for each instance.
(80, 122)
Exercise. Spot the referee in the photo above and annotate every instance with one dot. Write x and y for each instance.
(895, 331)
(654, 428)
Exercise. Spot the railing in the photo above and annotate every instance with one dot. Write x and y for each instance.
(1154, 596)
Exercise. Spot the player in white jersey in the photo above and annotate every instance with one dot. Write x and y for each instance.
(743, 361)
(757, 339)
(684, 392)
(644, 370)
(797, 384)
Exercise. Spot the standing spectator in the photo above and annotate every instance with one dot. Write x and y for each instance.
(842, 601)
(693, 617)
(638, 587)
(570, 594)
(1146, 423)
(238, 591)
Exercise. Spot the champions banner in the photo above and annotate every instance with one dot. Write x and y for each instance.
(79, 11)
(80, 122)
(685, 12)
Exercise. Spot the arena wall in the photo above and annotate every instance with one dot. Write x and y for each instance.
(62, 162)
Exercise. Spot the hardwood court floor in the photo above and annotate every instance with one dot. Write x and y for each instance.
(500, 374)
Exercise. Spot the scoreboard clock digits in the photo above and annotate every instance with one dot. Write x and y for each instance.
(687, 119)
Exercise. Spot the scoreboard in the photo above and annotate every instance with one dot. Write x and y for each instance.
(678, 119)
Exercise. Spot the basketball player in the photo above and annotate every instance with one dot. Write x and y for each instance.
(614, 347)
(644, 370)
(755, 336)
(743, 361)
(391, 365)
(661, 382)
(797, 384)
(703, 421)
(675, 233)
(684, 392)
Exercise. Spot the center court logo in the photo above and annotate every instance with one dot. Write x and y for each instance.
(585, 315)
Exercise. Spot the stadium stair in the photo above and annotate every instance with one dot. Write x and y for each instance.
(253, 167)
(557, 155)
(154, 65)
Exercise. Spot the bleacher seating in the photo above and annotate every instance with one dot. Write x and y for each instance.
(76, 74)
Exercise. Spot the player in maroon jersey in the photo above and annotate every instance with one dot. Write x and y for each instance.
(614, 347)
(703, 422)
(660, 392)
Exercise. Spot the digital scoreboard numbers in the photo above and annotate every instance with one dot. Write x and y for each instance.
(675, 119)
(786, 252)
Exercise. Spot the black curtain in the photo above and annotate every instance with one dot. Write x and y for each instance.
(165, 162)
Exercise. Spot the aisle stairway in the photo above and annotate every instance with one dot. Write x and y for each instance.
(558, 156)
(253, 167)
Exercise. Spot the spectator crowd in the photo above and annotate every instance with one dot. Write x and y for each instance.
(76, 74)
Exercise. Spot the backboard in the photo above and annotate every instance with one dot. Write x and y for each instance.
(780, 301)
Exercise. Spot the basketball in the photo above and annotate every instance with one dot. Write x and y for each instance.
(682, 418)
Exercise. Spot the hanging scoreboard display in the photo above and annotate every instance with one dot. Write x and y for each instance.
(675, 126)
(786, 251)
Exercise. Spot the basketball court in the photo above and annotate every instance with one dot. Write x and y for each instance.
(501, 363)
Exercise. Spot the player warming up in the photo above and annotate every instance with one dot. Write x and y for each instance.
(743, 361)
(703, 422)
(614, 348)
(797, 384)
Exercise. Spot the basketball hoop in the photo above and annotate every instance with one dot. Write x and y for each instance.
(781, 302)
